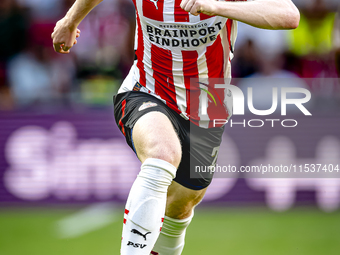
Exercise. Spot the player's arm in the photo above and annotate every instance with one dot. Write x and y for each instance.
(65, 32)
(267, 14)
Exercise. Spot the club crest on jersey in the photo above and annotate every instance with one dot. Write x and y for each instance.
(155, 2)
(146, 105)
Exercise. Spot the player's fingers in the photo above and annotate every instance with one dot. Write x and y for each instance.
(57, 47)
(64, 49)
(53, 34)
(64, 52)
(68, 44)
(189, 5)
(75, 42)
(56, 26)
(184, 5)
(196, 9)
(78, 31)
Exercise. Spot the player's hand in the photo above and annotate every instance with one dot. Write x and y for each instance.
(195, 7)
(64, 36)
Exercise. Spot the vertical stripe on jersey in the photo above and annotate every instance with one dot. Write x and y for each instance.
(140, 53)
(190, 70)
(203, 120)
(177, 69)
(161, 60)
(153, 9)
(215, 64)
(169, 9)
(215, 59)
(193, 18)
(228, 27)
(180, 14)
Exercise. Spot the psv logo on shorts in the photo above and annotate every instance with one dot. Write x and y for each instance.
(146, 105)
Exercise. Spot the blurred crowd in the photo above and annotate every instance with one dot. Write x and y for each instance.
(32, 75)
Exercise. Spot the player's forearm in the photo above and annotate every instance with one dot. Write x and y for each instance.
(268, 14)
(79, 10)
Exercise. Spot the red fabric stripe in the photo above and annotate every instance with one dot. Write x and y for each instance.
(126, 211)
(123, 113)
(215, 59)
(228, 27)
(160, 229)
(215, 63)
(140, 53)
(162, 72)
(150, 11)
(180, 14)
(162, 219)
(204, 16)
(217, 111)
(190, 70)
(124, 221)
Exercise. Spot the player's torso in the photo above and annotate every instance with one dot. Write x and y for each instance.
(174, 47)
(168, 26)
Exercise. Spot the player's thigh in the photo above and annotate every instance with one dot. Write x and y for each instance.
(154, 137)
(181, 200)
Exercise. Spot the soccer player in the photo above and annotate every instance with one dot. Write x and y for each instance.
(176, 40)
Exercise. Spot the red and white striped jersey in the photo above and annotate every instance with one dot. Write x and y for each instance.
(173, 47)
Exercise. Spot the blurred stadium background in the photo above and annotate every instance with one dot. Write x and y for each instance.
(65, 170)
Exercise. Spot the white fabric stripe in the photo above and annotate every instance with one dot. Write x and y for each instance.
(193, 18)
(169, 10)
(150, 81)
(130, 80)
(203, 77)
(136, 70)
(233, 36)
(226, 51)
(139, 7)
(177, 71)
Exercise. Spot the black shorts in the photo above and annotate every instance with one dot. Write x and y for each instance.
(199, 145)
